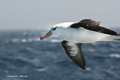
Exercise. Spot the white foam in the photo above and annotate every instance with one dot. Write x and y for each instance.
(37, 39)
(96, 43)
(88, 69)
(33, 39)
(115, 55)
(41, 69)
(91, 50)
(54, 40)
(15, 40)
(23, 40)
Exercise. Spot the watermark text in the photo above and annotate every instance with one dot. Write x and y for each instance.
(15, 76)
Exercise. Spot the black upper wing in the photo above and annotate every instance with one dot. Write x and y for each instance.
(93, 25)
(76, 56)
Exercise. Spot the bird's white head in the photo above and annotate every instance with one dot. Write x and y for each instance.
(57, 30)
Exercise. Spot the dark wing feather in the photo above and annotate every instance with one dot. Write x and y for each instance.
(78, 58)
(90, 22)
(94, 26)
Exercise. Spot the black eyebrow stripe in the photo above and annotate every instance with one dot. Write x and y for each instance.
(54, 28)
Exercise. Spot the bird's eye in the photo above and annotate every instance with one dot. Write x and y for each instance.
(54, 28)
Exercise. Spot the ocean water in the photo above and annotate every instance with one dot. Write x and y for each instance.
(24, 57)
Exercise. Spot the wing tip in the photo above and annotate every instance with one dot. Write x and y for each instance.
(83, 68)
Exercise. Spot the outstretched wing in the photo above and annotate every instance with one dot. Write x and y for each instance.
(73, 50)
(93, 25)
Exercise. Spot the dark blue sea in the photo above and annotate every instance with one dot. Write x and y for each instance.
(24, 57)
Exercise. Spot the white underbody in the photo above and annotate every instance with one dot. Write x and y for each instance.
(79, 35)
(82, 35)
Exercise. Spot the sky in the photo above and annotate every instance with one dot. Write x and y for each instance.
(43, 14)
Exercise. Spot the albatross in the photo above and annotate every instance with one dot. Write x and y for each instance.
(74, 34)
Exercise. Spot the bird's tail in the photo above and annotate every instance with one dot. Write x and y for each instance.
(118, 34)
(115, 38)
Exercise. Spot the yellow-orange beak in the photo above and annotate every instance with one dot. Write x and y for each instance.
(46, 36)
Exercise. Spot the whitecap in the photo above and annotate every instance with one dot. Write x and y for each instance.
(23, 40)
(41, 69)
(96, 43)
(115, 55)
(91, 50)
(88, 69)
(33, 39)
(37, 39)
(15, 40)
(54, 40)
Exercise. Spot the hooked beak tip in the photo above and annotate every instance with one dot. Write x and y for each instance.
(46, 36)
(41, 38)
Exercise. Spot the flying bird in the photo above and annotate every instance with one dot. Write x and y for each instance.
(74, 34)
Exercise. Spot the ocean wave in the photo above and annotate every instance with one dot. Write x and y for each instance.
(91, 50)
(24, 53)
(96, 43)
(88, 69)
(115, 55)
(15, 40)
(41, 69)
(23, 40)
(37, 39)
(55, 40)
